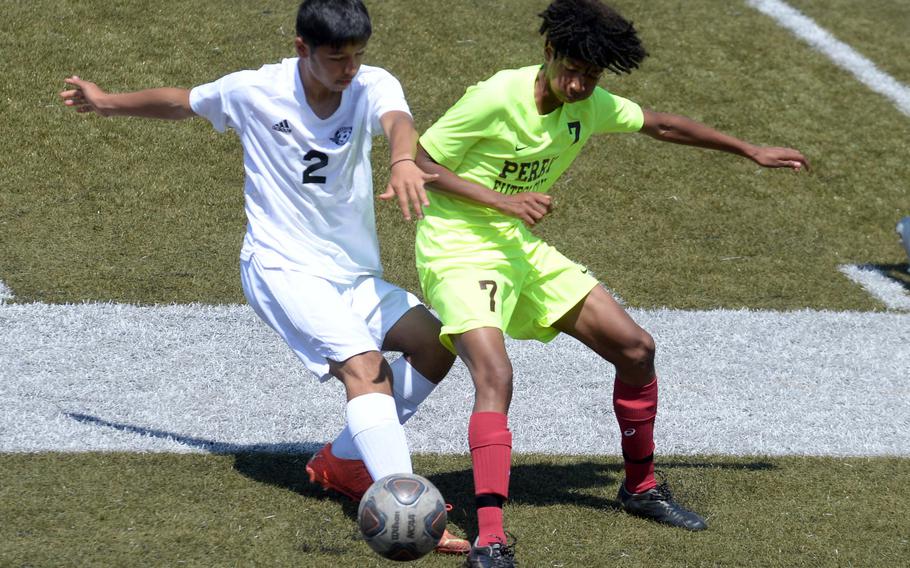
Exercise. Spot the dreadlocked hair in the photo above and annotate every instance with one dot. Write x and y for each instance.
(591, 31)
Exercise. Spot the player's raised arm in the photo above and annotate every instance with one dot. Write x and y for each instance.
(681, 130)
(406, 180)
(530, 206)
(166, 103)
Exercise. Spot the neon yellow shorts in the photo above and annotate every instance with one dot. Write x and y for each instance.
(522, 294)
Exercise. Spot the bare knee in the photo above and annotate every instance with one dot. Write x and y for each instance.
(637, 353)
(432, 359)
(416, 335)
(364, 373)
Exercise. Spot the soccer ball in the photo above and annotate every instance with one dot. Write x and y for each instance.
(402, 516)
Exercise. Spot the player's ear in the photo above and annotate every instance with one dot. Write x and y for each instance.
(303, 50)
(548, 52)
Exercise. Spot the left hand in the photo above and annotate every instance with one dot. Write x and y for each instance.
(772, 157)
(407, 183)
(85, 96)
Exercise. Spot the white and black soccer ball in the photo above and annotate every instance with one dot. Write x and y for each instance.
(402, 516)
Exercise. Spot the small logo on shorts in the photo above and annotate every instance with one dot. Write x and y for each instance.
(342, 135)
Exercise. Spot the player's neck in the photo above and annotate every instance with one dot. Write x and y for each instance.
(322, 100)
(546, 101)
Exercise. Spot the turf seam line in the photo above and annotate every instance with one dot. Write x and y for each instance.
(842, 54)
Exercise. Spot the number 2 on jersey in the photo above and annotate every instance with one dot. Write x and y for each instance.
(321, 161)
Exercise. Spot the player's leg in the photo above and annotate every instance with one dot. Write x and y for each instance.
(416, 336)
(400, 323)
(602, 324)
(316, 320)
(474, 299)
(484, 354)
(562, 296)
(372, 417)
(423, 364)
(409, 389)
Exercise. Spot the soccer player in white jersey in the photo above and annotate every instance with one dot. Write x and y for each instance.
(310, 258)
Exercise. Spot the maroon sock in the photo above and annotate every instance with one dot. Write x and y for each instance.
(489, 526)
(635, 409)
(491, 452)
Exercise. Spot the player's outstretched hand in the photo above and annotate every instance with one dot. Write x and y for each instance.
(85, 97)
(771, 157)
(407, 184)
(530, 206)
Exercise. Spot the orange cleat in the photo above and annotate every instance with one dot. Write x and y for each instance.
(348, 477)
(451, 544)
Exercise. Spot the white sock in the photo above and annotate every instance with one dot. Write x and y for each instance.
(378, 436)
(410, 389)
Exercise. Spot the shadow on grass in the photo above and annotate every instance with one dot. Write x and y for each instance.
(578, 483)
(898, 273)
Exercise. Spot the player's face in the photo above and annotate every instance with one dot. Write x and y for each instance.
(333, 67)
(572, 80)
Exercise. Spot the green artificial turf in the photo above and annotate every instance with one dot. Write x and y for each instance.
(259, 510)
(133, 210)
(139, 211)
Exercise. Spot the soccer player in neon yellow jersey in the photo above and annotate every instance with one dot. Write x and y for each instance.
(497, 151)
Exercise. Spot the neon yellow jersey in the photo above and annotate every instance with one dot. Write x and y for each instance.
(495, 137)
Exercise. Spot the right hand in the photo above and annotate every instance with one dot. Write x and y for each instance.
(85, 97)
(407, 184)
(530, 207)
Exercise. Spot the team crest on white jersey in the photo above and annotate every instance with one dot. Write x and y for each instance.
(342, 135)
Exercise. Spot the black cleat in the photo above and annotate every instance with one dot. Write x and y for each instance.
(496, 555)
(657, 504)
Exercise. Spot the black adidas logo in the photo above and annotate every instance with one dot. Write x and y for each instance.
(282, 126)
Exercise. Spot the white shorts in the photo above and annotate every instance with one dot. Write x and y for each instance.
(323, 320)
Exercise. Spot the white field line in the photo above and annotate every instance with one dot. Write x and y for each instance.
(196, 378)
(5, 292)
(877, 283)
(837, 51)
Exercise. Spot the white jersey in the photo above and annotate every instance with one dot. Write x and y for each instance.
(309, 185)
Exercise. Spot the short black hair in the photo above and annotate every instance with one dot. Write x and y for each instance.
(333, 22)
(591, 31)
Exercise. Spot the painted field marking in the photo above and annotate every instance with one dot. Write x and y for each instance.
(877, 283)
(837, 51)
(201, 378)
(5, 292)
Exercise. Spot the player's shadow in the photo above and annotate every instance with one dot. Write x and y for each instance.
(581, 484)
(590, 483)
(897, 273)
